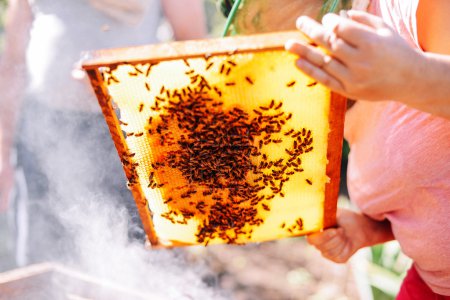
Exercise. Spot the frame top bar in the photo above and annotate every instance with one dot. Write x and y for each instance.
(189, 49)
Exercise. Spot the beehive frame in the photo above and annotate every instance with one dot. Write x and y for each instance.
(199, 49)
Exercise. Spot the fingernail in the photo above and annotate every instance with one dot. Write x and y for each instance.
(330, 21)
(351, 13)
(343, 14)
(289, 44)
(327, 16)
(299, 23)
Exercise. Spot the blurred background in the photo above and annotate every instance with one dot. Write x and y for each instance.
(285, 269)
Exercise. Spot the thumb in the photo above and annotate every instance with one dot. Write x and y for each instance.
(320, 238)
(366, 19)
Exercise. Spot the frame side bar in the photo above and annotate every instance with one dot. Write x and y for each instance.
(334, 155)
(114, 128)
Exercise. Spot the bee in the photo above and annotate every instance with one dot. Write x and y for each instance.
(290, 84)
(209, 66)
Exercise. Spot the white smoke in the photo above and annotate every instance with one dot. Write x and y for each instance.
(105, 252)
(85, 223)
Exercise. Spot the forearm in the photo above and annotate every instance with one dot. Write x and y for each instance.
(354, 231)
(12, 86)
(186, 17)
(376, 232)
(13, 70)
(366, 59)
(431, 91)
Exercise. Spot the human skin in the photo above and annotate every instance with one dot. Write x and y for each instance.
(12, 83)
(354, 232)
(365, 59)
(373, 63)
(186, 17)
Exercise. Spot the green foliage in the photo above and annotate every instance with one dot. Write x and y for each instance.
(229, 8)
(2, 21)
(387, 268)
(225, 6)
(2, 13)
(334, 6)
(330, 6)
(231, 14)
(380, 295)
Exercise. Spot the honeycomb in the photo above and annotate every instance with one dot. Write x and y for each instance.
(223, 147)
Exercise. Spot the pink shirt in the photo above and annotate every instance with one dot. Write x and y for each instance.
(399, 166)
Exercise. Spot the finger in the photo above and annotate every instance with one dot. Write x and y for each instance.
(366, 19)
(320, 75)
(341, 49)
(339, 258)
(320, 238)
(350, 31)
(310, 53)
(335, 252)
(326, 39)
(315, 31)
(344, 254)
(318, 58)
(334, 244)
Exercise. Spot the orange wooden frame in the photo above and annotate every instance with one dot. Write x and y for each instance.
(203, 48)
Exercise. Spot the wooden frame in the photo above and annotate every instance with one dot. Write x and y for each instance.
(202, 48)
(53, 281)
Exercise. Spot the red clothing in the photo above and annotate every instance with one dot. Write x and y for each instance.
(414, 288)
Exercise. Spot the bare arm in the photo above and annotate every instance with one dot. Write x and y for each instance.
(129, 12)
(433, 26)
(368, 60)
(12, 66)
(187, 18)
(12, 83)
(354, 231)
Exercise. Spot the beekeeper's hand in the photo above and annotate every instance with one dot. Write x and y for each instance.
(354, 231)
(365, 59)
